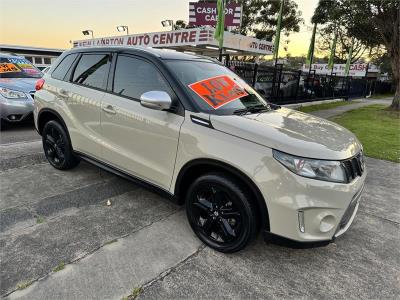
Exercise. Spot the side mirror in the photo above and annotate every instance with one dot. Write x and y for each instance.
(158, 100)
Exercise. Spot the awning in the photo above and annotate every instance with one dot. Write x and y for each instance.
(195, 40)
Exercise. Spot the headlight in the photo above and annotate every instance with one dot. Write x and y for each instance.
(328, 170)
(11, 94)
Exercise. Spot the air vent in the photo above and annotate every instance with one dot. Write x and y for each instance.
(201, 121)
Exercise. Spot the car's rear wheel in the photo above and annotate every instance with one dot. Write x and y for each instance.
(57, 146)
(220, 212)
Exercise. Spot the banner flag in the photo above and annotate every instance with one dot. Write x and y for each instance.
(310, 54)
(220, 28)
(332, 56)
(278, 31)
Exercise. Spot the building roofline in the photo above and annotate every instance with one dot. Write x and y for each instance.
(4, 47)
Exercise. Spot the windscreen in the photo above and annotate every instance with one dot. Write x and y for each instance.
(18, 67)
(215, 88)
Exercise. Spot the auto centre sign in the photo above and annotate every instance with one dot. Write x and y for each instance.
(356, 70)
(205, 13)
(153, 39)
(196, 37)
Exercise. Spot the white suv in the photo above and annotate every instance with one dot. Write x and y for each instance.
(199, 134)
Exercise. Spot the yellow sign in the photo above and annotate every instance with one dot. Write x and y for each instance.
(8, 68)
(26, 66)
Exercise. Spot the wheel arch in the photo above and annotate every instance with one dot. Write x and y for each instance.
(45, 115)
(197, 167)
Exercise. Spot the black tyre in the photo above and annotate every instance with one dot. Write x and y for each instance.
(57, 146)
(220, 212)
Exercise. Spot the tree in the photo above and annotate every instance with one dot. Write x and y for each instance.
(343, 45)
(375, 23)
(259, 18)
(383, 61)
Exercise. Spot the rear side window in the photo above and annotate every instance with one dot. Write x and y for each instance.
(92, 70)
(133, 77)
(63, 68)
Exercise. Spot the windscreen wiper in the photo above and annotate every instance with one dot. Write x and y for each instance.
(252, 109)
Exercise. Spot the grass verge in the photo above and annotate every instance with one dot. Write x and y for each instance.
(377, 128)
(322, 106)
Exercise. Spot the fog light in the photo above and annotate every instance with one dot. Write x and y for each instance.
(12, 117)
(301, 221)
(327, 223)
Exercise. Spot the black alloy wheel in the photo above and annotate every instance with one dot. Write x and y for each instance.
(57, 147)
(220, 213)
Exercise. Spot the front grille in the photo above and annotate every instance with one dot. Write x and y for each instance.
(354, 166)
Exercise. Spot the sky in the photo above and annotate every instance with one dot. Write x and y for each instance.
(54, 23)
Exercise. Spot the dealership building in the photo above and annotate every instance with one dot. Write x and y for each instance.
(40, 57)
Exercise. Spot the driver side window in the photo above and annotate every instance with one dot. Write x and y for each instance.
(134, 76)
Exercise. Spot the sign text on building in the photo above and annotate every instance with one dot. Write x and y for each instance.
(204, 13)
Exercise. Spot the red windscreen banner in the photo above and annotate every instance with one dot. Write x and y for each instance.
(204, 13)
(218, 91)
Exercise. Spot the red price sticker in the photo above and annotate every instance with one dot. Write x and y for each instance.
(8, 68)
(218, 91)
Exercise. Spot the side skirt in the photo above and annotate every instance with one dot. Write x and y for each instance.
(147, 185)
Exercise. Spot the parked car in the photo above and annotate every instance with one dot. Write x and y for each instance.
(17, 87)
(194, 131)
(45, 70)
(287, 86)
(263, 84)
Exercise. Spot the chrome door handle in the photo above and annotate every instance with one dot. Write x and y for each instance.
(109, 109)
(63, 93)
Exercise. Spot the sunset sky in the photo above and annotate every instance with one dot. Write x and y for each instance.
(53, 23)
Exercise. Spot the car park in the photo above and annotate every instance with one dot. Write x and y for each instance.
(17, 87)
(192, 130)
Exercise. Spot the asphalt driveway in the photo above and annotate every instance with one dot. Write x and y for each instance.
(60, 240)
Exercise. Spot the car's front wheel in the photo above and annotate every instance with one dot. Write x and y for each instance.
(57, 146)
(220, 212)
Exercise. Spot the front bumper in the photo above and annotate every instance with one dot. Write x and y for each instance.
(344, 225)
(310, 211)
(349, 214)
(15, 110)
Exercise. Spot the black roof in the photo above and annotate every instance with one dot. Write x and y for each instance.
(159, 53)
